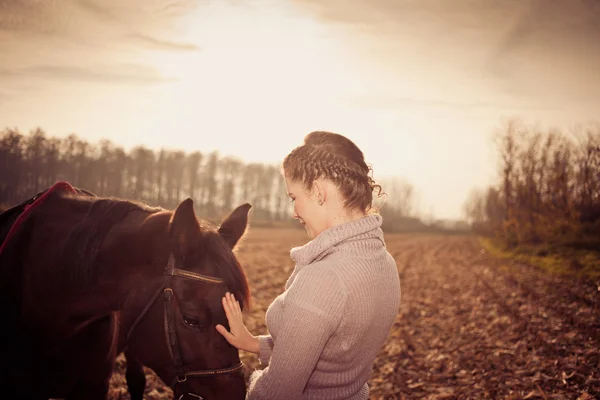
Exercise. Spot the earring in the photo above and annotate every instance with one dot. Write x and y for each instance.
(320, 202)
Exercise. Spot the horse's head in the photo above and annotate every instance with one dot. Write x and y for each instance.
(191, 354)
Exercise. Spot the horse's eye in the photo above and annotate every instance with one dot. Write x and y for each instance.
(192, 322)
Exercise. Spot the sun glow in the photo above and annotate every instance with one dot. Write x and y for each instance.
(250, 75)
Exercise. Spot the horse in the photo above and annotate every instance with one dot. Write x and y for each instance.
(85, 278)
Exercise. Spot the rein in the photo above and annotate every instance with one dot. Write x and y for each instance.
(181, 375)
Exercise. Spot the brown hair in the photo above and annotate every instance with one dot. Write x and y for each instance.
(334, 157)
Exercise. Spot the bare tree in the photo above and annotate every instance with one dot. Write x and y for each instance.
(35, 149)
(507, 142)
(12, 146)
(193, 162)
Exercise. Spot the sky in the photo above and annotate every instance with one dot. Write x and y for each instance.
(419, 85)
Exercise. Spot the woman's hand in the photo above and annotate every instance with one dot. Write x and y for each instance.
(239, 336)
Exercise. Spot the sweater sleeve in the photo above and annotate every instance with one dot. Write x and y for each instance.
(266, 348)
(311, 312)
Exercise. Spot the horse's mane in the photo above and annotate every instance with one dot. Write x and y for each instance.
(84, 241)
(230, 269)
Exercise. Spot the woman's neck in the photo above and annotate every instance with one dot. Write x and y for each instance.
(345, 217)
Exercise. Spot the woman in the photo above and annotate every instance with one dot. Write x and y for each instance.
(342, 298)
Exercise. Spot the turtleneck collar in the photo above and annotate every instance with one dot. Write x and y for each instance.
(368, 227)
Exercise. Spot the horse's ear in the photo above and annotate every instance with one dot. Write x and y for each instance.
(184, 227)
(234, 226)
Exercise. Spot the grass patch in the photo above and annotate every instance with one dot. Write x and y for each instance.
(553, 259)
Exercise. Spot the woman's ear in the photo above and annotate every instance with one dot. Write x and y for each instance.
(319, 192)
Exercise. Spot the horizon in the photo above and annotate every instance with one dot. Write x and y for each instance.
(419, 87)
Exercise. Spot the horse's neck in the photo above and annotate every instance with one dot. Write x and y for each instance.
(130, 262)
(134, 254)
(143, 274)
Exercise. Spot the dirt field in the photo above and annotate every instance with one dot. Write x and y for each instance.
(469, 326)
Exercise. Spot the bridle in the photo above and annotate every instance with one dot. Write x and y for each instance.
(181, 375)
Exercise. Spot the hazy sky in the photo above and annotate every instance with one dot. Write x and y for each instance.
(419, 85)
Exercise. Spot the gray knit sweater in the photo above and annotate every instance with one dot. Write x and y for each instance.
(331, 321)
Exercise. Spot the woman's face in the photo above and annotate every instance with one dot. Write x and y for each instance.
(306, 208)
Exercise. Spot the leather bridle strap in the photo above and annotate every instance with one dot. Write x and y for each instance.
(171, 335)
(142, 314)
(170, 327)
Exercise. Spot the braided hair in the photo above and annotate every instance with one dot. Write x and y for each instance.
(334, 157)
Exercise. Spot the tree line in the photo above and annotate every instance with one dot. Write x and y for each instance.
(548, 191)
(31, 162)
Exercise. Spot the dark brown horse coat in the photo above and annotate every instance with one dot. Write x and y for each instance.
(84, 278)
